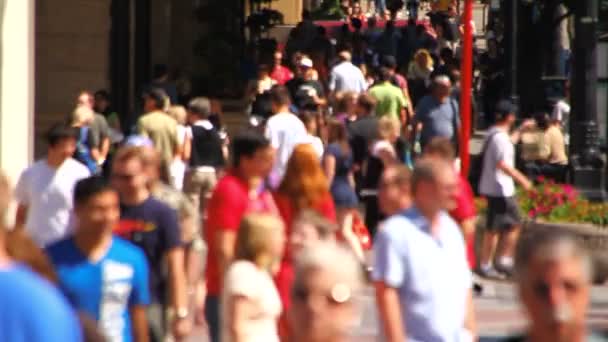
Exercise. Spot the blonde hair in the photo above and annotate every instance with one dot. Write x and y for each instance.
(178, 113)
(253, 239)
(81, 116)
(427, 55)
(388, 127)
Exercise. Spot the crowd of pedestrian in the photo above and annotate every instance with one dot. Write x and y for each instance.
(266, 235)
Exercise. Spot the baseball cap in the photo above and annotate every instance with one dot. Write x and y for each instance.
(306, 62)
(504, 108)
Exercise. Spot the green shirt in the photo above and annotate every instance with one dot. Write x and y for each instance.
(390, 100)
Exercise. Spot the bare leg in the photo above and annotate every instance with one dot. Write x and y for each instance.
(508, 243)
(345, 221)
(488, 247)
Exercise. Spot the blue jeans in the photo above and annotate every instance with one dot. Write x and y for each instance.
(212, 315)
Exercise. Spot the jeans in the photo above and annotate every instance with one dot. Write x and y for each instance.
(212, 315)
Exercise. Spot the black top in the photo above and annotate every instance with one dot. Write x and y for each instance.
(362, 132)
(206, 148)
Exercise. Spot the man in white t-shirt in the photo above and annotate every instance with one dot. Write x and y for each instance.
(44, 190)
(284, 130)
(497, 184)
(345, 76)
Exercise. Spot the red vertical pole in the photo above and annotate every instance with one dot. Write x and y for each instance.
(466, 73)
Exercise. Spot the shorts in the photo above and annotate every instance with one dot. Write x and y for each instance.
(503, 213)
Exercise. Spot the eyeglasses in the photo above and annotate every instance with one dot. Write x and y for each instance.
(339, 294)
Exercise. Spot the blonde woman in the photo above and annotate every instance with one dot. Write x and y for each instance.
(178, 167)
(250, 304)
(421, 66)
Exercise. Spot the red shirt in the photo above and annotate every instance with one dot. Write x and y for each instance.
(281, 74)
(228, 204)
(465, 209)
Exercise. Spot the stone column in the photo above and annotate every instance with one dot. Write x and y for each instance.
(17, 86)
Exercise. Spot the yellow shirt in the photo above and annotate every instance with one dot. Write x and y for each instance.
(554, 147)
(162, 130)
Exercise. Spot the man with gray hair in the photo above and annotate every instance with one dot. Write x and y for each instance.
(421, 275)
(554, 272)
(345, 76)
(437, 114)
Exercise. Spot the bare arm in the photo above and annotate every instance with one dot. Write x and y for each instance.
(329, 165)
(225, 240)
(105, 148)
(179, 293)
(389, 310)
(187, 150)
(139, 322)
(240, 308)
(469, 321)
(517, 176)
(21, 216)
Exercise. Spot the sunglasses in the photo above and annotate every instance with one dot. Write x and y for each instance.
(339, 294)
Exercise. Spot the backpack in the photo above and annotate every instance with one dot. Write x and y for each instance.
(83, 153)
(476, 168)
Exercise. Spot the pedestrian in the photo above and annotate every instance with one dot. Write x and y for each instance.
(346, 107)
(304, 187)
(338, 164)
(362, 133)
(177, 167)
(422, 280)
(258, 92)
(239, 192)
(86, 152)
(103, 106)
(389, 98)
(100, 130)
(394, 190)
(554, 273)
(248, 285)
(32, 300)
(497, 184)
(153, 226)
(206, 156)
(284, 130)
(102, 275)
(54, 178)
(305, 89)
(310, 121)
(398, 80)
(160, 80)
(437, 114)
(195, 249)
(310, 228)
(280, 74)
(382, 154)
(345, 76)
(328, 280)
(158, 126)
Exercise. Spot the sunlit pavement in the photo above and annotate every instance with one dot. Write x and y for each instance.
(497, 310)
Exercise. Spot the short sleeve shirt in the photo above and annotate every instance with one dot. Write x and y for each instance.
(229, 202)
(243, 278)
(105, 289)
(48, 193)
(162, 130)
(38, 312)
(285, 131)
(430, 273)
(152, 226)
(390, 100)
(438, 119)
(495, 182)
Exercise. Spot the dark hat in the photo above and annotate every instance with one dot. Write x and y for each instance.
(388, 61)
(504, 108)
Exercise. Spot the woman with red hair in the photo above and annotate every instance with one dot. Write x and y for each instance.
(304, 187)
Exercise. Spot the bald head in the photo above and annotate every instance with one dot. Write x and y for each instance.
(345, 56)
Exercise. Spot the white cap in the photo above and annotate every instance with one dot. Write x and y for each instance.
(306, 62)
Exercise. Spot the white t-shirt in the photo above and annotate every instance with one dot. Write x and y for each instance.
(245, 279)
(285, 131)
(47, 193)
(317, 144)
(495, 182)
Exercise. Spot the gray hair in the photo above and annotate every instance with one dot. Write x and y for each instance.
(329, 257)
(550, 246)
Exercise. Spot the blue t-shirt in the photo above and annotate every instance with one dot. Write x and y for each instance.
(33, 310)
(438, 119)
(105, 289)
(152, 226)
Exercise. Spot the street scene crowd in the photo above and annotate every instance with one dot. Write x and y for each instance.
(347, 177)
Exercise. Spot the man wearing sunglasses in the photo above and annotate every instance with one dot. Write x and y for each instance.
(153, 226)
(554, 272)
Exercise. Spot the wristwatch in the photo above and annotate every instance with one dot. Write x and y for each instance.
(181, 313)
